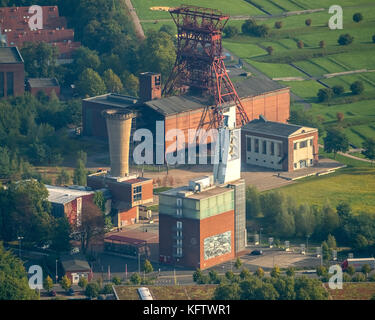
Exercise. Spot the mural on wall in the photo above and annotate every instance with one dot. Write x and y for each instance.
(217, 245)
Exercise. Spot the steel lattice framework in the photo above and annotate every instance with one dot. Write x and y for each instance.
(200, 63)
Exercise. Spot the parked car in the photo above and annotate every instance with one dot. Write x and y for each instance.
(256, 252)
(75, 250)
(52, 293)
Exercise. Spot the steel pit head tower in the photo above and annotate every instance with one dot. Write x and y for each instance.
(119, 124)
(200, 62)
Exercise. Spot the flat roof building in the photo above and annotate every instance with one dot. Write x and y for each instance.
(46, 85)
(279, 146)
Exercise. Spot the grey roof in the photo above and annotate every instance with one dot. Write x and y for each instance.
(249, 87)
(75, 263)
(10, 55)
(42, 82)
(262, 125)
(114, 100)
(64, 195)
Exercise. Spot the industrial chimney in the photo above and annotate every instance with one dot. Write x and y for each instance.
(119, 125)
(149, 86)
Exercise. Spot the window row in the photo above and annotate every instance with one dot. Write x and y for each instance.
(263, 146)
(303, 144)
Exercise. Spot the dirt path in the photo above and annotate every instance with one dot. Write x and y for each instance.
(137, 24)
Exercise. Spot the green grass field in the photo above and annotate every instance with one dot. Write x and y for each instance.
(354, 185)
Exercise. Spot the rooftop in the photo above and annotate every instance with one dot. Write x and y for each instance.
(10, 55)
(114, 100)
(262, 125)
(64, 195)
(75, 263)
(186, 192)
(43, 82)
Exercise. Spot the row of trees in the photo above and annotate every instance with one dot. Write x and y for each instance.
(283, 218)
(327, 94)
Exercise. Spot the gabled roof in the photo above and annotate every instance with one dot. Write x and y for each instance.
(42, 82)
(64, 195)
(75, 263)
(10, 55)
(262, 125)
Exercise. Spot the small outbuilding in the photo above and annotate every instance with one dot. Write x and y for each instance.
(75, 267)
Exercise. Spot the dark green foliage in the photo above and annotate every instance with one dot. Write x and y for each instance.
(270, 50)
(230, 31)
(168, 29)
(252, 202)
(336, 140)
(13, 278)
(303, 118)
(373, 38)
(308, 22)
(250, 27)
(357, 87)
(357, 17)
(227, 292)
(338, 90)
(278, 24)
(135, 278)
(369, 149)
(345, 39)
(325, 94)
(92, 290)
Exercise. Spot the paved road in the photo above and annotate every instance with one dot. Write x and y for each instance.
(137, 24)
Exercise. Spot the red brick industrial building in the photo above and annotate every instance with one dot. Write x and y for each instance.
(279, 146)
(204, 228)
(69, 202)
(12, 72)
(46, 85)
(14, 23)
(127, 193)
(258, 96)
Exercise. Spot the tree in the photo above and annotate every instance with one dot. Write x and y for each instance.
(238, 263)
(331, 242)
(214, 277)
(92, 224)
(322, 44)
(168, 29)
(92, 290)
(135, 278)
(308, 22)
(99, 200)
(65, 282)
(275, 272)
(309, 289)
(227, 292)
(80, 174)
(230, 31)
(197, 275)
(90, 84)
(345, 39)
(350, 270)
(63, 178)
(252, 202)
(357, 17)
(357, 87)
(300, 44)
(278, 24)
(248, 26)
(321, 271)
(48, 284)
(369, 149)
(60, 234)
(245, 273)
(112, 81)
(290, 272)
(13, 278)
(326, 251)
(130, 83)
(259, 272)
(373, 38)
(147, 266)
(251, 28)
(360, 242)
(157, 53)
(359, 277)
(269, 50)
(83, 282)
(338, 90)
(116, 280)
(325, 94)
(366, 269)
(335, 141)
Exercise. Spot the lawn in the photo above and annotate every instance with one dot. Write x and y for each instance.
(191, 292)
(233, 7)
(354, 185)
(353, 291)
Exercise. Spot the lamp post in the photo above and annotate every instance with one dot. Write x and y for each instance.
(307, 243)
(19, 246)
(56, 276)
(260, 237)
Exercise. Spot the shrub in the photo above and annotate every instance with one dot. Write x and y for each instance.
(116, 281)
(308, 22)
(322, 44)
(359, 277)
(373, 38)
(135, 278)
(357, 17)
(345, 39)
(346, 277)
(338, 90)
(275, 272)
(251, 28)
(259, 272)
(83, 282)
(278, 24)
(357, 87)
(230, 31)
(269, 50)
(321, 271)
(339, 116)
(350, 270)
(107, 289)
(92, 290)
(300, 44)
(324, 94)
(372, 278)
(290, 272)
